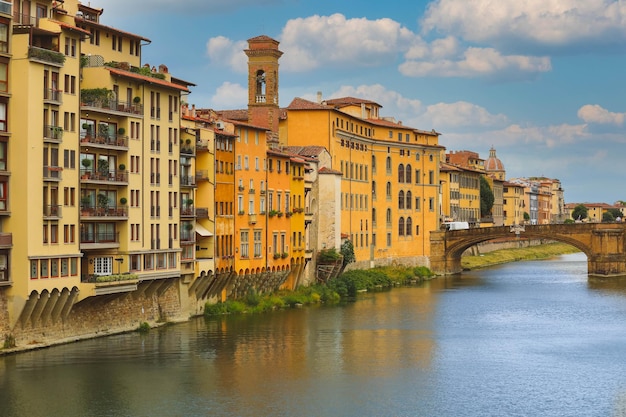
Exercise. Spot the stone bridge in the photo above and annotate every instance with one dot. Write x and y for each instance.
(603, 243)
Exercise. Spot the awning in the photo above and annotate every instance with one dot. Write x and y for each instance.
(202, 231)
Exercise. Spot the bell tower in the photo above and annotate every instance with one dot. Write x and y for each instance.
(263, 55)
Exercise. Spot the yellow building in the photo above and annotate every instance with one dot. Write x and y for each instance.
(389, 175)
(513, 204)
(101, 216)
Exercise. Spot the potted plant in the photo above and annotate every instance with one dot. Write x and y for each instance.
(123, 201)
(85, 205)
(137, 100)
(241, 212)
(103, 203)
(87, 168)
(121, 131)
(284, 255)
(103, 168)
(276, 255)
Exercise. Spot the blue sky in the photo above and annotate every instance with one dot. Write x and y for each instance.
(540, 80)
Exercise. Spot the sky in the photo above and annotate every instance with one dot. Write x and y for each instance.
(540, 81)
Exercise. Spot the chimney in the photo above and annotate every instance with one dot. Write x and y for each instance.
(319, 97)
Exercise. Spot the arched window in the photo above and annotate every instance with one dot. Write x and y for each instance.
(409, 198)
(374, 189)
(373, 164)
(389, 190)
(409, 226)
(401, 200)
(374, 216)
(401, 173)
(388, 165)
(388, 217)
(407, 176)
(401, 226)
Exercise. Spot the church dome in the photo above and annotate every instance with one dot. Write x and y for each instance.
(493, 163)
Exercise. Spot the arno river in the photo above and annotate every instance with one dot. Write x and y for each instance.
(523, 339)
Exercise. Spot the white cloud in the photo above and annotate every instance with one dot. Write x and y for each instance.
(317, 41)
(224, 51)
(474, 62)
(529, 23)
(230, 96)
(596, 114)
(461, 114)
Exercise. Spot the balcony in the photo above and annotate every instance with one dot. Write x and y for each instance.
(52, 211)
(104, 141)
(187, 211)
(187, 237)
(308, 218)
(52, 173)
(6, 240)
(52, 134)
(122, 108)
(103, 213)
(23, 19)
(202, 175)
(114, 176)
(52, 96)
(46, 56)
(187, 181)
(202, 213)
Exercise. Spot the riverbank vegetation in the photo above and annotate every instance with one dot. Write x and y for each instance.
(343, 288)
(347, 285)
(502, 256)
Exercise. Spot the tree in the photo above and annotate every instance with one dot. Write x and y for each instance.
(607, 217)
(580, 212)
(486, 197)
(347, 251)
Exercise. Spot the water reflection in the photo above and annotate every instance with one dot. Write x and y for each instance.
(533, 338)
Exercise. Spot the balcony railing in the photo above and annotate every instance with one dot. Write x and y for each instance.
(53, 133)
(52, 173)
(52, 210)
(202, 175)
(51, 94)
(114, 105)
(107, 140)
(188, 181)
(46, 55)
(111, 211)
(187, 211)
(187, 236)
(109, 175)
(202, 213)
(100, 237)
(6, 240)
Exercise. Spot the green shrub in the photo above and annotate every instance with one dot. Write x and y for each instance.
(144, 327)
(9, 341)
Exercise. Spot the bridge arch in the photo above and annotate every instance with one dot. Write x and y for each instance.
(602, 243)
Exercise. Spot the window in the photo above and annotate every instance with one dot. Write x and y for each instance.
(407, 175)
(103, 265)
(257, 243)
(401, 200)
(4, 36)
(3, 115)
(409, 226)
(244, 244)
(409, 198)
(401, 173)
(401, 226)
(388, 165)
(4, 76)
(388, 190)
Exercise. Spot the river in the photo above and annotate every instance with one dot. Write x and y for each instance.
(524, 339)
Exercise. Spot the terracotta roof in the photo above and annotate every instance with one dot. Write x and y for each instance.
(348, 101)
(148, 79)
(109, 28)
(302, 104)
(308, 151)
(325, 170)
(239, 114)
(71, 27)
